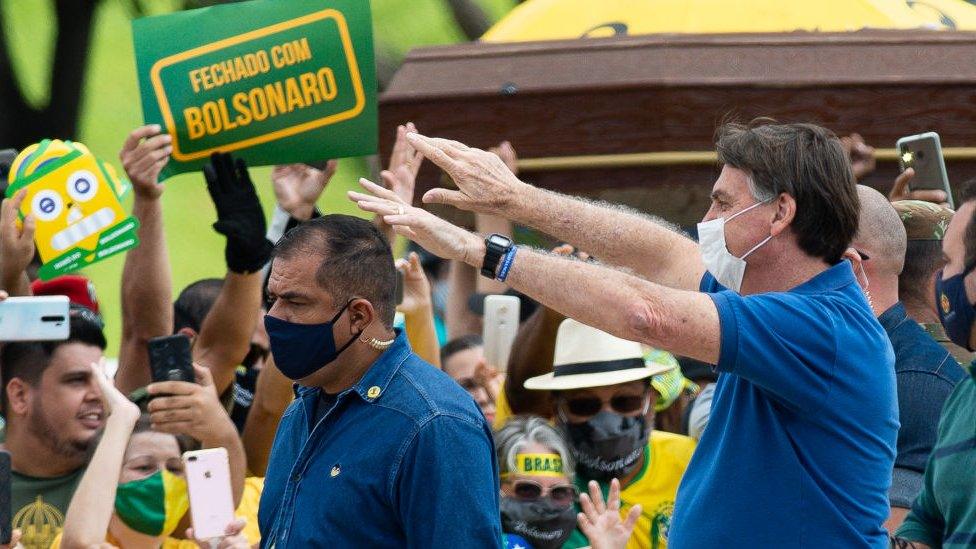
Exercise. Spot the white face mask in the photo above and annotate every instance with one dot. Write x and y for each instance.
(727, 269)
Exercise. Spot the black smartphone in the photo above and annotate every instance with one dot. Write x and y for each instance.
(170, 358)
(5, 527)
(399, 287)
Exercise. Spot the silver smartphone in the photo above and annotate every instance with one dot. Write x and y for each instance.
(42, 318)
(923, 153)
(501, 322)
(211, 497)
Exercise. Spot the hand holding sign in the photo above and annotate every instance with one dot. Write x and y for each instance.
(73, 200)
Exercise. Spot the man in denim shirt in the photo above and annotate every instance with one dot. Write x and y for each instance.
(379, 449)
(925, 372)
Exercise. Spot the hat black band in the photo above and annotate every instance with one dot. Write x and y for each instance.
(598, 367)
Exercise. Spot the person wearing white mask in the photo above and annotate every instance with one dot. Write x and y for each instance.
(801, 439)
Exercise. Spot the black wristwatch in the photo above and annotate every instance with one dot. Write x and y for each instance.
(496, 246)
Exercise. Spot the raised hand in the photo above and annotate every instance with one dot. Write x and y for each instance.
(115, 405)
(860, 153)
(433, 233)
(144, 154)
(239, 214)
(900, 191)
(16, 243)
(485, 184)
(416, 287)
(506, 152)
(400, 175)
(185, 408)
(297, 187)
(601, 523)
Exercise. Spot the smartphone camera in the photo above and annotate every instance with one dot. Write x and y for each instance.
(191, 458)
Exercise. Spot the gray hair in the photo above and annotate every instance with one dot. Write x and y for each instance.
(521, 430)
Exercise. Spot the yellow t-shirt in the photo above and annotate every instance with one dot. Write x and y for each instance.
(654, 488)
(248, 509)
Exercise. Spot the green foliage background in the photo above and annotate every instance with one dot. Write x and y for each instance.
(110, 109)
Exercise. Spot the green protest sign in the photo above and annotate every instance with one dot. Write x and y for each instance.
(274, 81)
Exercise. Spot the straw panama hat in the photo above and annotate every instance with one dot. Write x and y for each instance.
(587, 357)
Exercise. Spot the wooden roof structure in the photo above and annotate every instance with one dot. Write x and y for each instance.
(632, 119)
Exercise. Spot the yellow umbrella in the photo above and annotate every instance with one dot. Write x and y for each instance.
(954, 14)
(567, 19)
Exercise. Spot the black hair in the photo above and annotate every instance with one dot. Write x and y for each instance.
(459, 344)
(144, 425)
(27, 360)
(194, 303)
(806, 162)
(356, 260)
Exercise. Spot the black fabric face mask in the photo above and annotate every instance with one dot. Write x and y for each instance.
(542, 523)
(606, 446)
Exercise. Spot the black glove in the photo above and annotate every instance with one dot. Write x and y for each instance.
(239, 214)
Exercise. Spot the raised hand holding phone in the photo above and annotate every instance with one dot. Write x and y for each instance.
(923, 171)
(501, 322)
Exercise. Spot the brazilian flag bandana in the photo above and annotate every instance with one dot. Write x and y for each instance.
(153, 505)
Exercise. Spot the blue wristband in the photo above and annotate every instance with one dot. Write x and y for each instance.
(507, 264)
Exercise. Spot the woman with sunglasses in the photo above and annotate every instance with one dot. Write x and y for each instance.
(538, 496)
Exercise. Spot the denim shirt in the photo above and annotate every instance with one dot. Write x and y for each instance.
(403, 458)
(925, 374)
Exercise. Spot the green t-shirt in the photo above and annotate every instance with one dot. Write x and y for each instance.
(39, 505)
(944, 513)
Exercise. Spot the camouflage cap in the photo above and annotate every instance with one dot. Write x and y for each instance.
(923, 220)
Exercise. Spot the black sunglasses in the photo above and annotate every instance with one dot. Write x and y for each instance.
(562, 495)
(590, 406)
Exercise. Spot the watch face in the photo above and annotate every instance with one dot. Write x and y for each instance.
(499, 240)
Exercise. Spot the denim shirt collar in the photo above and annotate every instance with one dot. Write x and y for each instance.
(893, 317)
(372, 386)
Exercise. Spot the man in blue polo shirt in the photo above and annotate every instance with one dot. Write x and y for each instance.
(801, 441)
(379, 449)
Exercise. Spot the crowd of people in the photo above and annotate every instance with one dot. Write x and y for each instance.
(794, 374)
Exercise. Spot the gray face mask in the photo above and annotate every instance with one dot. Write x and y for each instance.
(607, 445)
(542, 523)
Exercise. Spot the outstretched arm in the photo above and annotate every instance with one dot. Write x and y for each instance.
(683, 322)
(618, 236)
(418, 310)
(273, 394)
(225, 335)
(147, 285)
(86, 521)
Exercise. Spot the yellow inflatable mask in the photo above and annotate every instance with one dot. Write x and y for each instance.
(75, 200)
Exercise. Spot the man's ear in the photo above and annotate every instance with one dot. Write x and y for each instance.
(857, 265)
(361, 315)
(18, 397)
(785, 212)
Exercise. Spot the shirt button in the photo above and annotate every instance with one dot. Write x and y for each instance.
(296, 476)
(373, 392)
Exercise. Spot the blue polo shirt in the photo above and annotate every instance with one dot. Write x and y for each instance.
(404, 458)
(801, 440)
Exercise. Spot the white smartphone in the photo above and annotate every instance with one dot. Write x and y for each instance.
(42, 318)
(501, 322)
(211, 499)
(923, 153)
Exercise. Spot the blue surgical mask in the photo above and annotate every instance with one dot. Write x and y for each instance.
(955, 311)
(300, 350)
